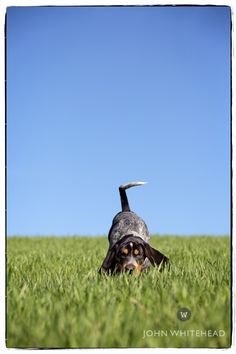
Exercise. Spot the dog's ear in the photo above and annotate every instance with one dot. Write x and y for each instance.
(155, 257)
(109, 262)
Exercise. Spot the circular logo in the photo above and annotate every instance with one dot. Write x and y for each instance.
(183, 314)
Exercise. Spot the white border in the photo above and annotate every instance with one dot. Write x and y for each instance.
(3, 5)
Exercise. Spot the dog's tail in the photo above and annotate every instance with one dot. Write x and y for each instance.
(123, 196)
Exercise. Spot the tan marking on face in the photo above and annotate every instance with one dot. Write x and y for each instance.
(138, 269)
(125, 250)
(136, 252)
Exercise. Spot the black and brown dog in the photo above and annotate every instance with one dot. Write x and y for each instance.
(129, 248)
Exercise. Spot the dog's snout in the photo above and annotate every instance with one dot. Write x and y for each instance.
(129, 267)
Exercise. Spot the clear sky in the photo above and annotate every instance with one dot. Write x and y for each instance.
(97, 97)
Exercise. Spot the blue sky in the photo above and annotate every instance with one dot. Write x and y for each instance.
(100, 96)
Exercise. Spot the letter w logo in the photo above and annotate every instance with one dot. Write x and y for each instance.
(184, 314)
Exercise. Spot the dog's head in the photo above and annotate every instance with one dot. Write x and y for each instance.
(129, 255)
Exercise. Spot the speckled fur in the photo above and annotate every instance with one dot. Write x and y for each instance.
(125, 223)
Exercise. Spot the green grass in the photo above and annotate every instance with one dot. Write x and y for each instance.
(56, 298)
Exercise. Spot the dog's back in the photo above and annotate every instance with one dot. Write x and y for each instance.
(127, 222)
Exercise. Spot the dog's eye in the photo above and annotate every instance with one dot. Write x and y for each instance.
(125, 251)
(136, 252)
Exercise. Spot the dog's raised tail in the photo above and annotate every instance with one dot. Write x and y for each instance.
(123, 196)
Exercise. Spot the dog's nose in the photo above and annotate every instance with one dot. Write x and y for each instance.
(129, 267)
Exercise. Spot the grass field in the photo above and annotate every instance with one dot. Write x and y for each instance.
(56, 298)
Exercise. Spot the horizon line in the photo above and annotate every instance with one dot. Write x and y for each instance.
(102, 236)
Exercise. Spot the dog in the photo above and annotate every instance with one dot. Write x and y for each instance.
(129, 249)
